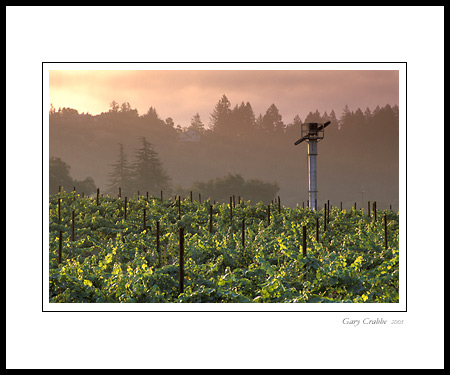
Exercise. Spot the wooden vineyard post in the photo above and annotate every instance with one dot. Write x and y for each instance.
(120, 192)
(231, 210)
(385, 233)
(317, 229)
(304, 241)
(144, 225)
(157, 243)
(243, 233)
(73, 226)
(368, 208)
(179, 208)
(279, 205)
(268, 214)
(59, 210)
(161, 196)
(60, 248)
(181, 271)
(125, 208)
(210, 219)
(325, 218)
(328, 212)
(375, 211)
(98, 193)
(191, 196)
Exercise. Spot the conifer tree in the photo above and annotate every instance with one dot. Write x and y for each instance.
(120, 177)
(148, 173)
(272, 120)
(197, 124)
(220, 117)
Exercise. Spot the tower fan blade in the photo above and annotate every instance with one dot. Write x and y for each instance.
(323, 126)
(299, 141)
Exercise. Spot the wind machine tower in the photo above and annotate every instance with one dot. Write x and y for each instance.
(312, 132)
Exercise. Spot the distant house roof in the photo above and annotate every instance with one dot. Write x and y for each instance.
(189, 135)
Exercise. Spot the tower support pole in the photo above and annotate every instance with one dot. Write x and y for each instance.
(312, 169)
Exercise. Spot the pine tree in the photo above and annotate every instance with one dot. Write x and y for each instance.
(120, 177)
(346, 116)
(243, 120)
(333, 119)
(148, 173)
(272, 120)
(220, 117)
(314, 117)
(197, 124)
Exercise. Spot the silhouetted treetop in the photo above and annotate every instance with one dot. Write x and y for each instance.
(220, 118)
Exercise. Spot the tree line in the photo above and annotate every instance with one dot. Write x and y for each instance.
(238, 121)
(233, 142)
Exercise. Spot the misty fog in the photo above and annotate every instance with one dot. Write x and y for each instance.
(358, 159)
